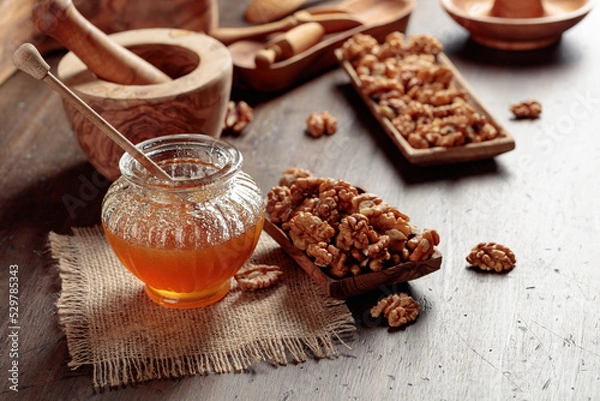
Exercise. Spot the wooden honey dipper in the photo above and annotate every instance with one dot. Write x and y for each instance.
(105, 58)
(28, 59)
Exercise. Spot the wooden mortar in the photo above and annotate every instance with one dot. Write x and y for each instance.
(195, 101)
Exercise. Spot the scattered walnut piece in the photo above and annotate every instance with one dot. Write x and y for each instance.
(238, 116)
(528, 109)
(255, 277)
(416, 93)
(399, 309)
(492, 256)
(319, 124)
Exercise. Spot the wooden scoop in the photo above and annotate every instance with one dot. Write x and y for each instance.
(289, 44)
(108, 60)
(28, 59)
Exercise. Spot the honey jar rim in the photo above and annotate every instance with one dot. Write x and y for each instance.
(226, 162)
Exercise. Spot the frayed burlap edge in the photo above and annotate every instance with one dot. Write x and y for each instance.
(125, 371)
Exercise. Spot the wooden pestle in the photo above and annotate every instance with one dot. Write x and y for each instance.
(105, 58)
(289, 44)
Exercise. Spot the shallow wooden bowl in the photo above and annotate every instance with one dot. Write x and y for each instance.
(488, 29)
(195, 101)
(438, 154)
(355, 285)
(378, 18)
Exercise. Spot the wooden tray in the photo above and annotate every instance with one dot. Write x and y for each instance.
(438, 155)
(355, 285)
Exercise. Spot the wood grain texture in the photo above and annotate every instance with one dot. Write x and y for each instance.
(194, 102)
(531, 334)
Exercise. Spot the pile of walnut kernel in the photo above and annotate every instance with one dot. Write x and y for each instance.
(343, 231)
(416, 93)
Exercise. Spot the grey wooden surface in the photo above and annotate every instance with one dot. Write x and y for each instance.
(531, 334)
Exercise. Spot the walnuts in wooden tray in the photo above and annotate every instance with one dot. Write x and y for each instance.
(343, 230)
(415, 92)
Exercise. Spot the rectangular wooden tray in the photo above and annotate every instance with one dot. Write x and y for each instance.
(438, 155)
(355, 285)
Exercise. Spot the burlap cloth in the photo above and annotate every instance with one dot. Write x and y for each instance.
(112, 325)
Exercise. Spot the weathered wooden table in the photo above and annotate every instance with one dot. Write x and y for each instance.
(531, 334)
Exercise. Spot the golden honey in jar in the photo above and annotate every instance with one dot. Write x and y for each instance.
(186, 238)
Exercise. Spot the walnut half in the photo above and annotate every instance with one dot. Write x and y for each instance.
(399, 309)
(238, 117)
(319, 124)
(255, 277)
(528, 109)
(492, 256)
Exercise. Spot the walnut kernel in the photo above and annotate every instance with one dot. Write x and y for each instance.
(398, 309)
(528, 109)
(492, 256)
(237, 117)
(319, 124)
(255, 277)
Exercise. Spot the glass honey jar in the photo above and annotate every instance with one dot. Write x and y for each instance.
(186, 238)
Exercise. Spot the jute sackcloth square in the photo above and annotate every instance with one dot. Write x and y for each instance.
(112, 325)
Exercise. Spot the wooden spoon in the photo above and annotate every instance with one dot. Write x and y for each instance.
(331, 22)
(261, 11)
(29, 60)
(105, 58)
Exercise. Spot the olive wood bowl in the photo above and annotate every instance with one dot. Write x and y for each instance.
(517, 25)
(194, 101)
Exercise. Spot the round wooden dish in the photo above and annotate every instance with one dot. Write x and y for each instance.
(515, 25)
(195, 101)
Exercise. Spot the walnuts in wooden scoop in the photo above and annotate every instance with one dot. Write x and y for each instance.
(343, 230)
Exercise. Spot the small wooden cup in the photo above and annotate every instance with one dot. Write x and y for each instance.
(194, 102)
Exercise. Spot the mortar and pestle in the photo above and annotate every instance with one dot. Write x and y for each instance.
(146, 82)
